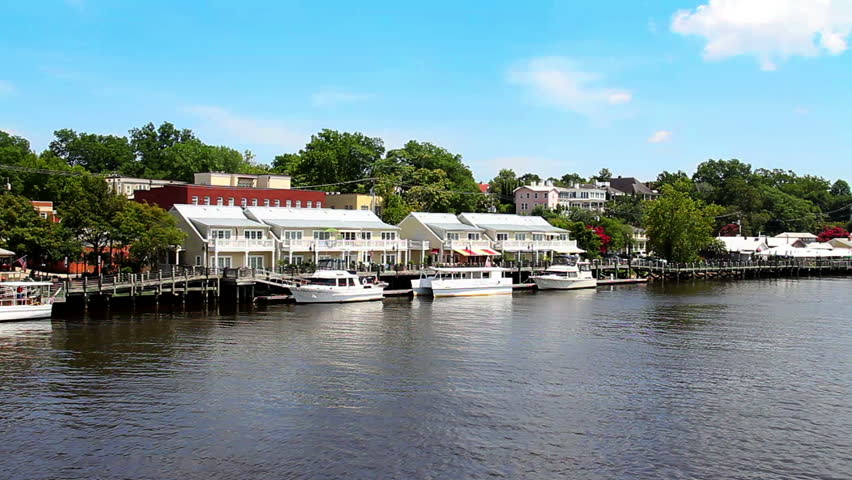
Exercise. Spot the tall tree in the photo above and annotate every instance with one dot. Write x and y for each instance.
(95, 153)
(335, 157)
(840, 189)
(92, 216)
(25, 233)
(604, 175)
(426, 156)
(148, 230)
(150, 144)
(678, 226)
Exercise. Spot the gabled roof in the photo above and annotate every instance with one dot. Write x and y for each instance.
(318, 218)
(630, 185)
(796, 235)
(509, 222)
(840, 243)
(443, 222)
(744, 244)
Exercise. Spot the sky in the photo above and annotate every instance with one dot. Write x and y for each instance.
(548, 87)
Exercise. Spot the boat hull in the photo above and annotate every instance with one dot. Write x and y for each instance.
(307, 294)
(545, 282)
(421, 286)
(472, 291)
(11, 313)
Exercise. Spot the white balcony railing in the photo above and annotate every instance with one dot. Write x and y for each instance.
(240, 244)
(463, 244)
(304, 245)
(535, 245)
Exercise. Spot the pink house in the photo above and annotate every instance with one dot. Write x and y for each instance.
(582, 195)
(530, 196)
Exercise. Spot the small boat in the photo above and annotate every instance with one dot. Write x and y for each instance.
(463, 281)
(336, 286)
(567, 272)
(26, 300)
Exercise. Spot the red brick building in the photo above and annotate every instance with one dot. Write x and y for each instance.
(167, 196)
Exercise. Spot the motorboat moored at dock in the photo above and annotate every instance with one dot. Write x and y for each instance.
(567, 272)
(463, 281)
(336, 286)
(25, 300)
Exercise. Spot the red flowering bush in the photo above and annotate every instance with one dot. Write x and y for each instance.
(601, 233)
(832, 232)
(729, 230)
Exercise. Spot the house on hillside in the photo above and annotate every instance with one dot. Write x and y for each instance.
(521, 236)
(791, 237)
(451, 240)
(632, 186)
(582, 195)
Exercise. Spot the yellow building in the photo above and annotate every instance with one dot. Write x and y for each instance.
(217, 179)
(354, 201)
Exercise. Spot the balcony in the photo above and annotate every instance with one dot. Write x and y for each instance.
(536, 245)
(304, 245)
(239, 244)
(463, 244)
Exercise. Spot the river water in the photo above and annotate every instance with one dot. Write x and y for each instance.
(705, 380)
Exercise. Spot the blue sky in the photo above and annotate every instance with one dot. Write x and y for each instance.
(549, 87)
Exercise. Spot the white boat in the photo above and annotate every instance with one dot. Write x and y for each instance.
(336, 286)
(566, 273)
(463, 281)
(25, 300)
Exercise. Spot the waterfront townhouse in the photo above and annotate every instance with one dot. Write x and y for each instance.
(223, 237)
(522, 236)
(451, 240)
(353, 236)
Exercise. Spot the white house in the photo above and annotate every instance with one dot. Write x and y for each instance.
(521, 235)
(350, 235)
(223, 237)
(451, 240)
(745, 246)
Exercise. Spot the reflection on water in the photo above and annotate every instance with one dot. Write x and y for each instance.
(683, 380)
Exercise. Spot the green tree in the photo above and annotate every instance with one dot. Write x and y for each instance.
(25, 233)
(148, 230)
(570, 179)
(93, 214)
(95, 153)
(840, 189)
(627, 208)
(679, 227)
(604, 175)
(150, 144)
(335, 157)
(426, 156)
(529, 179)
(789, 213)
(503, 186)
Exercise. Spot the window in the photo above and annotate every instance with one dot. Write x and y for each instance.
(253, 234)
(528, 195)
(452, 236)
(502, 237)
(231, 201)
(293, 235)
(473, 236)
(265, 202)
(366, 235)
(221, 234)
(198, 260)
(220, 201)
(563, 236)
(298, 204)
(195, 200)
(277, 203)
(319, 204)
(320, 235)
(243, 202)
(365, 207)
(538, 237)
(43, 215)
(348, 235)
(389, 258)
(388, 235)
(245, 182)
(253, 202)
(298, 259)
(535, 195)
(521, 236)
(224, 262)
(206, 200)
(310, 204)
(255, 261)
(289, 203)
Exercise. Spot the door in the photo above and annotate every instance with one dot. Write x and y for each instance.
(224, 262)
(255, 262)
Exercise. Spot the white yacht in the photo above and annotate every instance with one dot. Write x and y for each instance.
(463, 281)
(566, 273)
(25, 300)
(336, 286)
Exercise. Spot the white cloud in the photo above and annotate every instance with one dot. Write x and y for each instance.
(6, 88)
(770, 30)
(330, 98)
(256, 130)
(559, 82)
(660, 136)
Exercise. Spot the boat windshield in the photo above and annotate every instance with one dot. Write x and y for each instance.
(569, 260)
